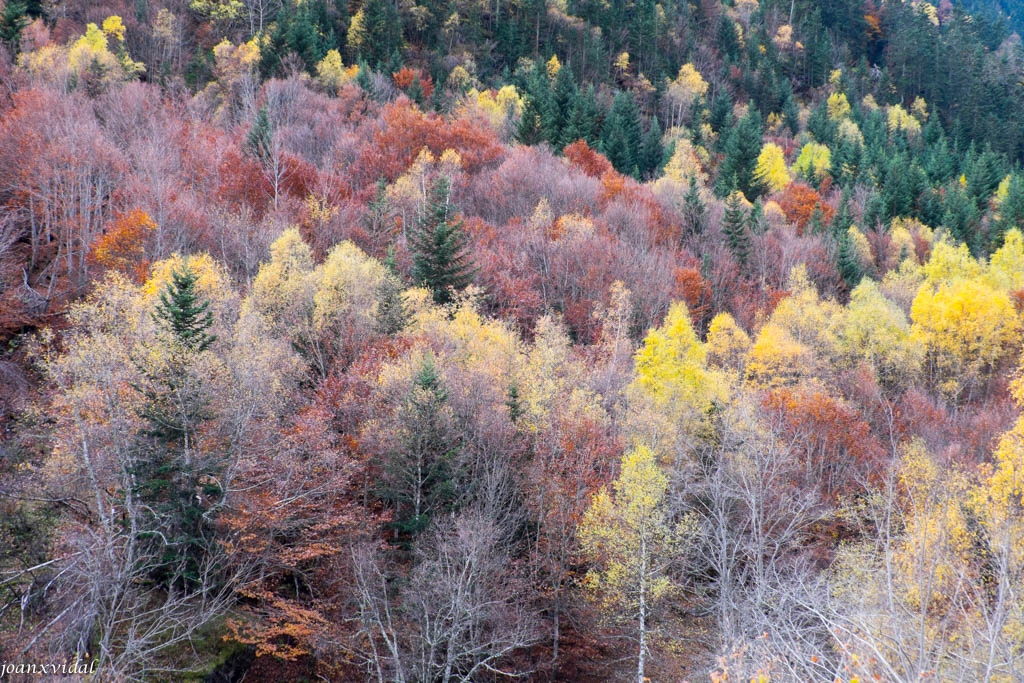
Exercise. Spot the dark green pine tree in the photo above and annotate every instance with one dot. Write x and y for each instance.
(874, 211)
(420, 476)
(364, 77)
(652, 152)
(259, 142)
(535, 108)
(755, 219)
(378, 220)
(734, 226)
(961, 217)
(791, 113)
(13, 19)
(304, 29)
(383, 29)
(741, 151)
(555, 119)
(584, 119)
(842, 220)
(183, 313)
(824, 129)
(441, 258)
(847, 262)
(176, 481)
(983, 171)
(694, 210)
(623, 138)
(391, 315)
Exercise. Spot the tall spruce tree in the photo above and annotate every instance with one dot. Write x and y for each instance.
(652, 151)
(176, 481)
(847, 261)
(584, 119)
(555, 120)
(734, 225)
(1011, 212)
(694, 210)
(420, 476)
(184, 313)
(741, 152)
(441, 257)
(622, 140)
(13, 20)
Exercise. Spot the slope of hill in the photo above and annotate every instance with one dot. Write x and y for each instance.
(436, 341)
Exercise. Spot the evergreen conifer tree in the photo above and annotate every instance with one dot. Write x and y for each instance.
(741, 153)
(652, 152)
(623, 139)
(420, 476)
(391, 315)
(182, 312)
(175, 479)
(441, 257)
(584, 119)
(555, 119)
(1011, 211)
(693, 210)
(847, 261)
(734, 225)
(13, 19)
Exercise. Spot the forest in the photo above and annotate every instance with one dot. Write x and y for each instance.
(550, 340)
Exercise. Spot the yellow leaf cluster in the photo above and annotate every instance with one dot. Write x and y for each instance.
(622, 62)
(901, 120)
(1006, 265)
(771, 168)
(332, 73)
(814, 161)
(90, 50)
(553, 66)
(966, 328)
(936, 540)
(113, 26)
(876, 331)
(783, 38)
(801, 331)
(684, 165)
(218, 10)
(629, 538)
(728, 344)
(850, 131)
(501, 107)
(838, 106)
(671, 366)
(860, 244)
(688, 84)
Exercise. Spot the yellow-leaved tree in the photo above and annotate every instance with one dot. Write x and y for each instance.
(728, 343)
(800, 338)
(965, 326)
(771, 168)
(814, 161)
(908, 599)
(628, 536)
(838, 106)
(674, 388)
(685, 89)
(876, 331)
(328, 311)
(332, 73)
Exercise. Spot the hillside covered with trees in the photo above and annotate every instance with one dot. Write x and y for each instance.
(561, 340)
